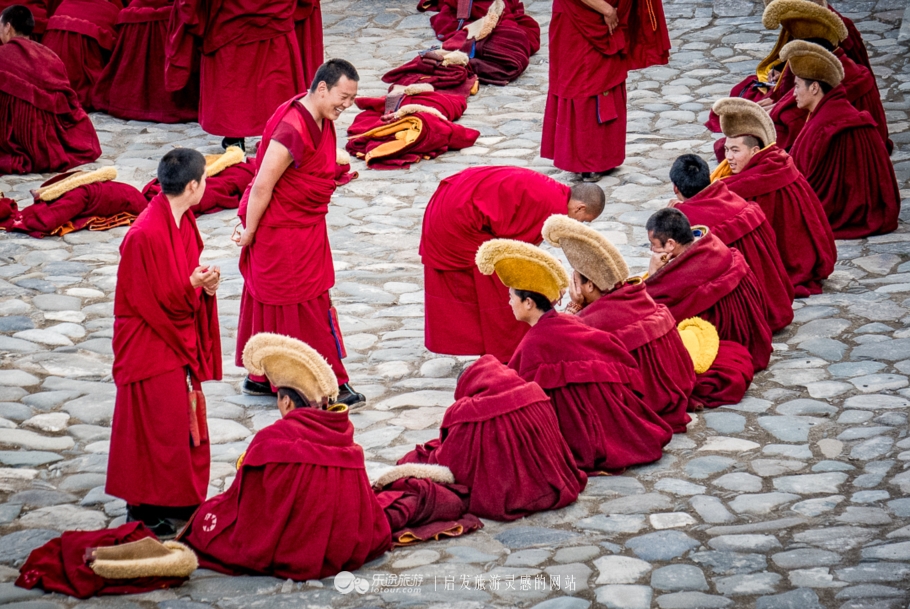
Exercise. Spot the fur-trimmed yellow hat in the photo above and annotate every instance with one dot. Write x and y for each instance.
(61, 184)
(701, 341)
(589, 252)
(818, 2)
(739, 117)
(812, 62)
(522, 266)
(216, 163)
(144, 558)
(288, 362)
(805, 20)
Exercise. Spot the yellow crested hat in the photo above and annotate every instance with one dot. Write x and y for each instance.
(812, 62)
(805, 20)
(589, 252)
(144, 558)
(701, 341)
(523, 266)
(288, 362)
(739, 117)
(61, 184)
(216, 163)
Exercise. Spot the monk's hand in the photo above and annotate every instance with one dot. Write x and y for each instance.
(611, 18)
(658, 260)
(201, 274)
(245, 238)
(212, 281)
(575, 294)
(766, 103)
(672, 202)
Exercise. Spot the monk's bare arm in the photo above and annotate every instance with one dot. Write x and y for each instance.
(277, 159)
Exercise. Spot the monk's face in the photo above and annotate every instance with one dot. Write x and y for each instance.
(523, 310)
(738, 153)
(671, 247)
(807, 93)
(6, 32)
(332, 102)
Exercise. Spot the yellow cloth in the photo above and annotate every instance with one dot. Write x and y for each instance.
(701, 341)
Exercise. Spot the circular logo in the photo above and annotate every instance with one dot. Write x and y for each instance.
(209, 522)
(345, 582)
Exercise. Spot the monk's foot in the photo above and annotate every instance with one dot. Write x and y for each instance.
(233, 141)
(349, 397)
(163, 528)
(251, 387)
(595, 176)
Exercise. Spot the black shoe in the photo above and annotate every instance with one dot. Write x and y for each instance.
(349, 397)
(163, 528)
(233, 141)
(251, 387)
(585, 176)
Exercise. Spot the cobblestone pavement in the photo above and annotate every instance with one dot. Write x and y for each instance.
(795, 498)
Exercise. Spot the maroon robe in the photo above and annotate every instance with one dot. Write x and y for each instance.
(468, 313)
(222, 190)
(292, 241)
(131, 86)
(742, 225)
(301, 506)
(375, 108)
(419, 509)
(584, 124)
(164, 332)
(428, 68)
(845, 161)
(804, 237)
(501, 439)
(649, 334)
(82, 34)
(714, 282)
(43, 128)
(853, 45)
(308, 29)
(595, 388)
(728, 378)
(247, 45)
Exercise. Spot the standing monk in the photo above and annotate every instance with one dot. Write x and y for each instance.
(467, 313)
(593, 45)
(286, 260)
(308, 27)
(166, 342)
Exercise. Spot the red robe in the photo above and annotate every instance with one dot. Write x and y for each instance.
(308, 29)
(853, 46)
(82, 34)
(43, 128)
(584, 124)
(501, 439)
(375, 108)
(468, 313)
(428, 68)
(131, 86)
(163, 328)
(649, 334)
(419, 509)
(845, 161)
(728, 378)
(595, 388)
(742, 225)
(222, 190)
(292, 241)
(247, 45)
(804, 237)
(301, 506)
(714, 282)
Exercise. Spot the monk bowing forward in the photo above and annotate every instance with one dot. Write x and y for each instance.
(166, 342)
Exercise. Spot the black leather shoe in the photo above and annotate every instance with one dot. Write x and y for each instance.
(349, 397)
(251, 387)
(233, 141)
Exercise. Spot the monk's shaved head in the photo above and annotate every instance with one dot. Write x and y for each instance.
(586, 202)
(690, 175)
(19, 18)
(669, 223)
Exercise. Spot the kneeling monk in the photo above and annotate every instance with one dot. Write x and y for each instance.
(591, 379)
(466, 312)
(501, 439)
(604, 297)
(756, 169)
(702, 277)
(301, 506)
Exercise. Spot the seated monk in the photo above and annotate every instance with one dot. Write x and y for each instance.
(301, 506)
(43, 127)
(76, 201)
(723, 368)
(604, 297)
(82, 34)
(132, 85)
(402, 101)
(694, 274)
(738, 224)
(501, 439)
(591, 379)
(447, 71)
(757, 170)
(466, 311)
(39, 10)
(840, 151)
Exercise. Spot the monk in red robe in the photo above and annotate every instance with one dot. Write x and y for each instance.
(604, 297)
(756, 169)
(285, 260)
(702, 277)
(308, 29)
(738, 224)
(82, 33)
(591, 379)
(246, 45)
(840, 151)
(301, 506)
(166, 343)
(466, 311)
(132, 85)
(40, 13)
(593, 45)
(43, 127)
(501, 439)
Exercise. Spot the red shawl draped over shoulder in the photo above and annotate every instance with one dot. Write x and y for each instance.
(374, 108)
(845, 161)
(804, 237)
(712, 281)
(430, 67)
(501, 439)
(649, 333)
(742, 225)
(156, 310)
(595, 388)
(301, 506)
